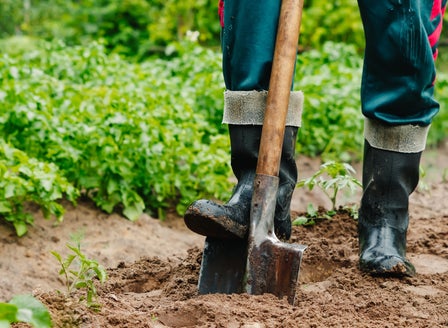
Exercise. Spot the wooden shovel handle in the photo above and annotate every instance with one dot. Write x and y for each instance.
(280, 87)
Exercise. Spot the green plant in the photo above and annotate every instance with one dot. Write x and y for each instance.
(352, 210)
(147, 136)
(332, 123)
(132, 27)
(24, 308)
(439, 126)
(422, 185)
(79, 273)
(138, 27)
(331, 20)
(312, 214)
(27, 180)
(331, 178)
(131, 137)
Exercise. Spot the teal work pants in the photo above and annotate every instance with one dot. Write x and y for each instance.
(401, 46)
(399, 72)
(248, 41)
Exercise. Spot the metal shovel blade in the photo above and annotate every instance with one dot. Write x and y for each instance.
(273, 266)
(223, 266)
(275, 269)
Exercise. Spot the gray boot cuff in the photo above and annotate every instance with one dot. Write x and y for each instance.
(398, 138)
(247, 108)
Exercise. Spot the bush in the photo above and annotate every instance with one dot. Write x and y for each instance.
(148, 136)
(128, 136)
(139, 28)
(332, 121)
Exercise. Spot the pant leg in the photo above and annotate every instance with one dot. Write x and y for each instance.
(249, 30)
(248, 41)
(399, 72)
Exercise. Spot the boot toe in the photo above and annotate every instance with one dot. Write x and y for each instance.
(386, 265)
(213, 220)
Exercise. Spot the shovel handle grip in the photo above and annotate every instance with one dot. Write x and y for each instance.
(279, 87)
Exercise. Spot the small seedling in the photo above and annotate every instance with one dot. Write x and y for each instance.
(311, 216)
(79, 272)
(352, 210)
(24, 308)
(422, 185)
(331, 178)
(445, 175)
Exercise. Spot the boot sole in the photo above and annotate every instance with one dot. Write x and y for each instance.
(378, 269)
(217, 227)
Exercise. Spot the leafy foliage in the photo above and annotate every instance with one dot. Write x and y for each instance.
(24, 308)
(331, 178)
(338, 21)
(439, 127)
(26, 180)
(139, 28)
(148, 136)
(332, 123)
(127, 135)
(311, 216)
(132, 27)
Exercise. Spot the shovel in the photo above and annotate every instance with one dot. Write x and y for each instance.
(223, 266)
(262, 264)
(273, 266)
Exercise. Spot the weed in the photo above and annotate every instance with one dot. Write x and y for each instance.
(312, 214)
(331, 178)
(422, 185)
(352, 210)
(83, 275)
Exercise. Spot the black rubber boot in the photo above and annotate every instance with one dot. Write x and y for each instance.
(388, 180)
(231, 220)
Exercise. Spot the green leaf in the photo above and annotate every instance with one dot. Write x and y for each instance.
(5, 207)
(311, 211)
(8, 312)
(301, 220)
(80, 284)
(20, 227)
(100, 273)
(32, 311)
(56, 255)
(134, 211)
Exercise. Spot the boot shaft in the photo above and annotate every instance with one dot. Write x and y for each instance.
(388, 179)
(245, 144)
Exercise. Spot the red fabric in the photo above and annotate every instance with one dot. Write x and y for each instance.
(437, 11)
(221, 12)
(437, 5)
(434, 36)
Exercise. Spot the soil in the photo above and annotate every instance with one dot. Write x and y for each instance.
(153, 267)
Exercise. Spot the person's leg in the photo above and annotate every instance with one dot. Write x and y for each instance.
(248, 41)
(398, 104)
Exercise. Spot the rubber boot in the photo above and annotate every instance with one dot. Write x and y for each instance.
(388, 179)
(231, 220)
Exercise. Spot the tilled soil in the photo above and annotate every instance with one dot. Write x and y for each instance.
(153, 271)
(152, 292)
